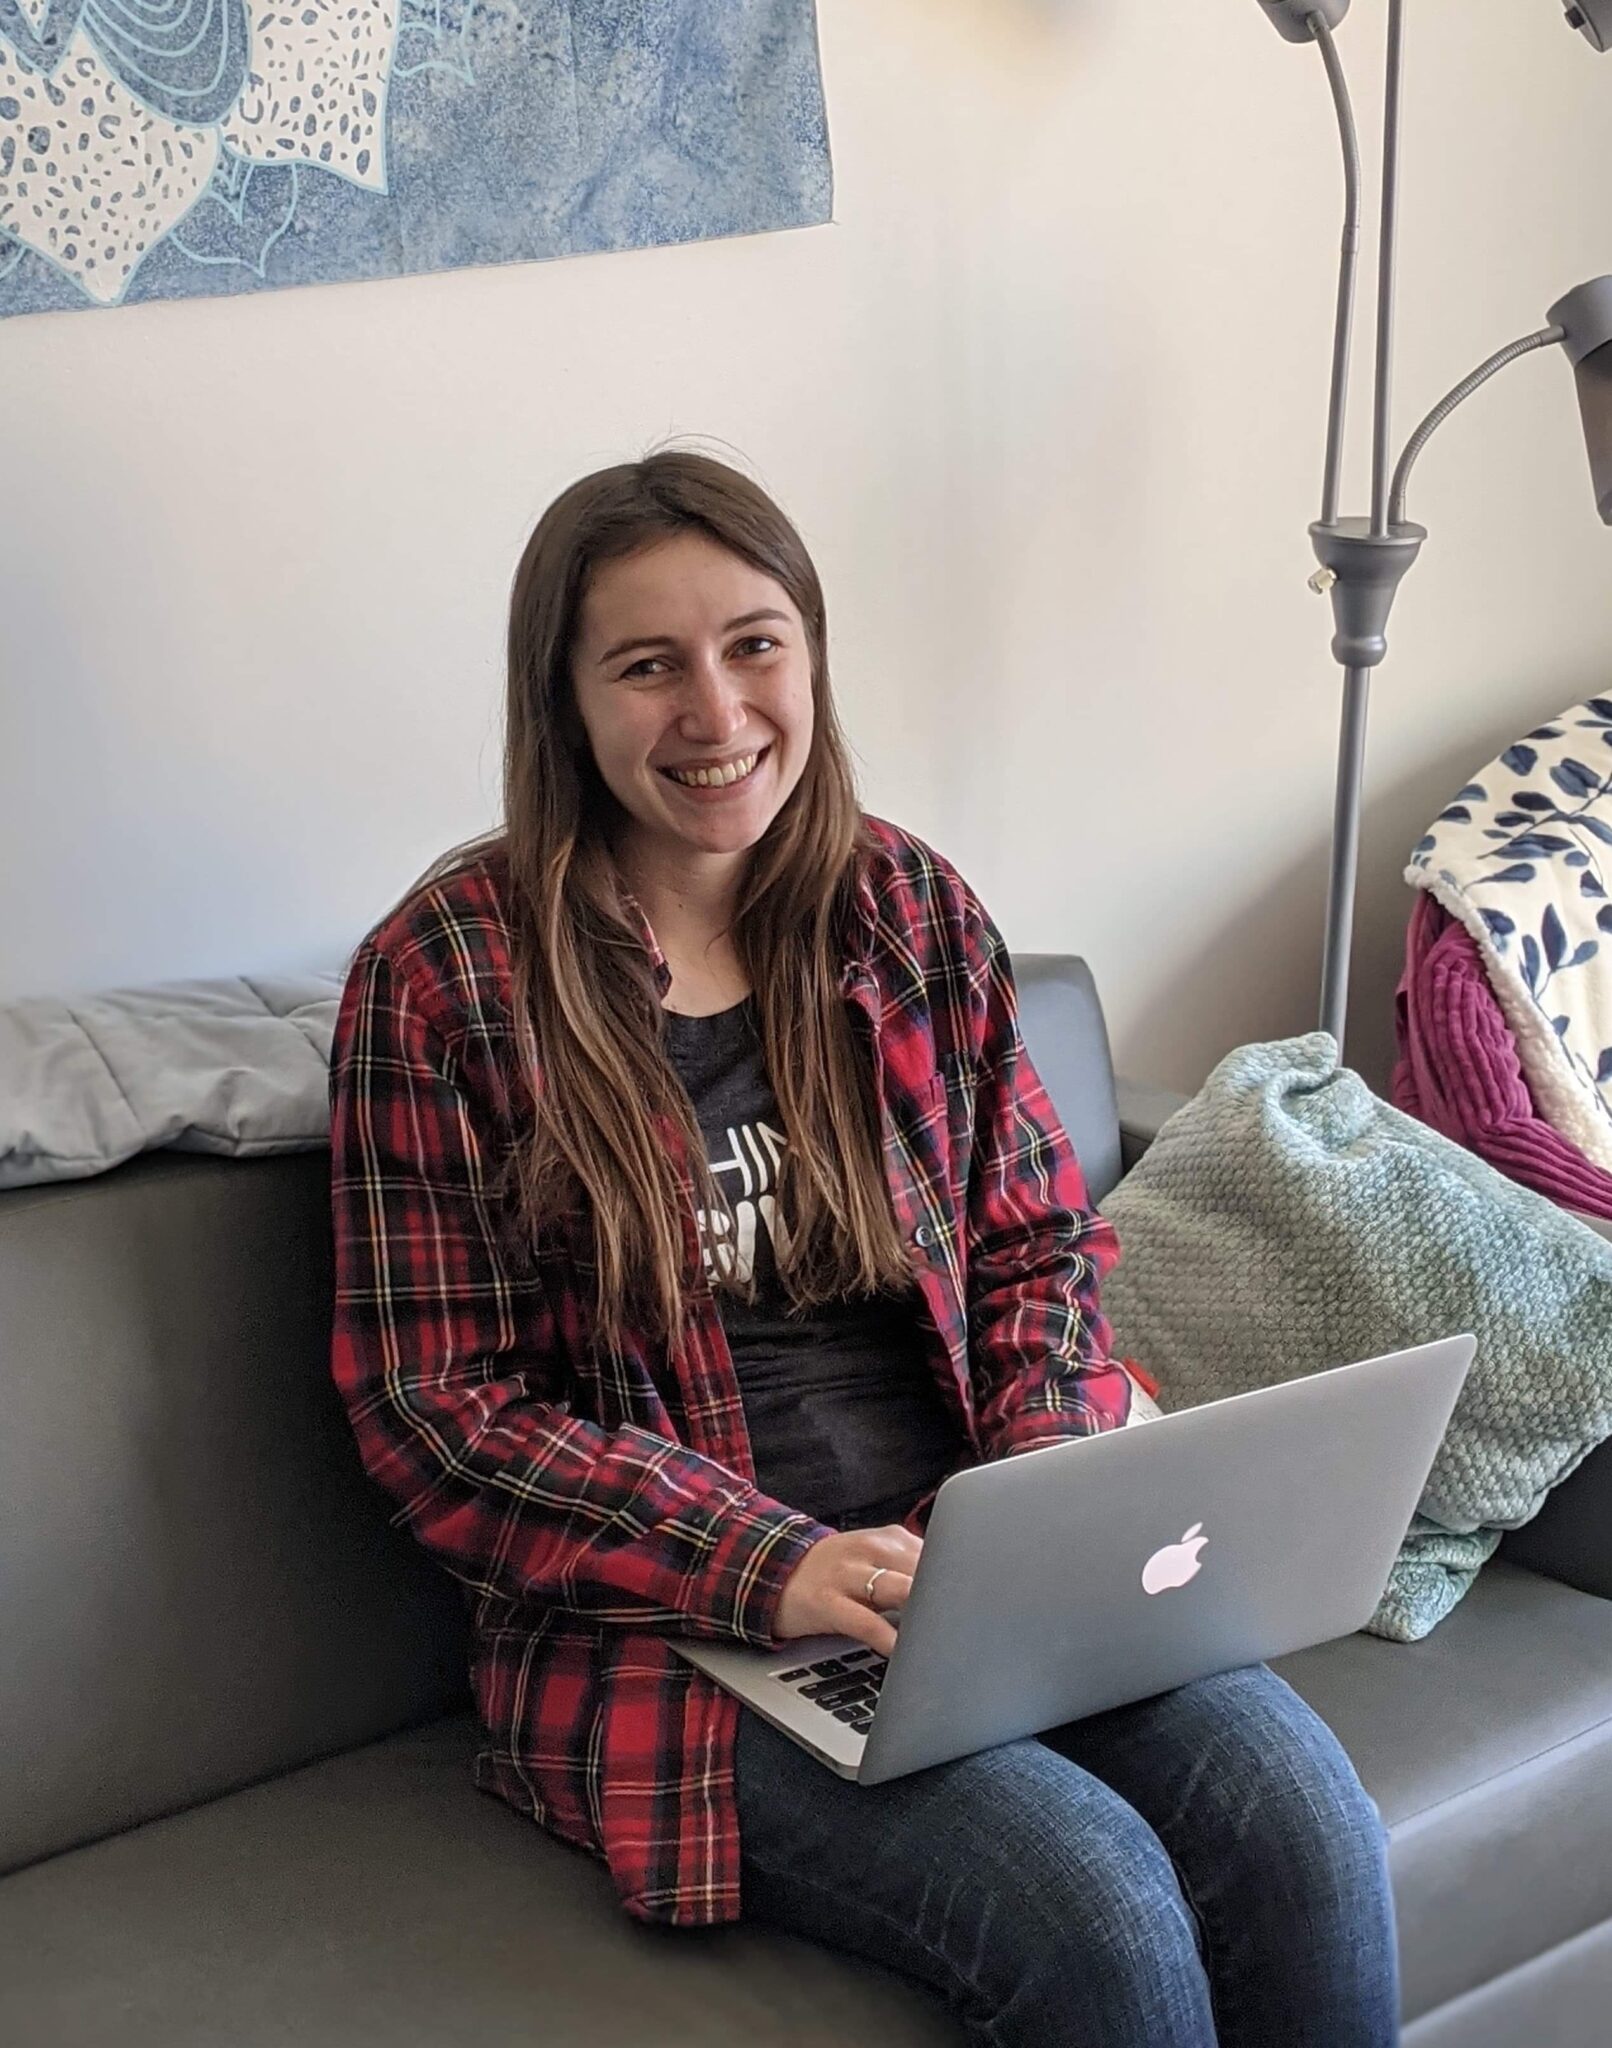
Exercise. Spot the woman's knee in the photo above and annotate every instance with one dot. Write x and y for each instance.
(1290, 1791)
(1061, 1850)
(1023, 1890)
(1082, 1927)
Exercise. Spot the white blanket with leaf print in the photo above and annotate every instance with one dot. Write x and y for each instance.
(1523, 858)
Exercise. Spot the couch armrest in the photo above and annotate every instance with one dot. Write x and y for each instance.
(1143, 1110)
(1571, 1537)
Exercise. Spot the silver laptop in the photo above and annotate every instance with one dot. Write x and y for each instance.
(1087, 1574)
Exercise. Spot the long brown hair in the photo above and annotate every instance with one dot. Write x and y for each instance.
(585, 1005)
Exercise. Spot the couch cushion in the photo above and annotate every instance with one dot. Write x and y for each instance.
(201, 1587)
(1488, 1748)
(378, 1901)
(1557, 2000)
(377, 1898)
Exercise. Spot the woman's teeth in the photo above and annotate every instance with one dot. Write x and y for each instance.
(716, 778)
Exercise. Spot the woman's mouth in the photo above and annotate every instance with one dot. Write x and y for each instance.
(718, 777)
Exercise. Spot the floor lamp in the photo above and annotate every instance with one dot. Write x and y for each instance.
(1363, 559)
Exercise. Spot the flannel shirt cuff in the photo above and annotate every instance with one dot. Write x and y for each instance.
(757, 1545)
(1032, 1428)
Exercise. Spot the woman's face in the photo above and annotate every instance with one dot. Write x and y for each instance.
(687, 659)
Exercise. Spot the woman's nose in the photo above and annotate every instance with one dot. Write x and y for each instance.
(713, 708)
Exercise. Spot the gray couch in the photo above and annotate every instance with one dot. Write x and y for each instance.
(234, 1799)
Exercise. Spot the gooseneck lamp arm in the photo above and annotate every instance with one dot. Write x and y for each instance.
(1387, 237)
(1364, 559)
(1343, 325)
(1451, 399)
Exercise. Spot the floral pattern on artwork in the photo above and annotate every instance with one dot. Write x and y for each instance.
(172, 148)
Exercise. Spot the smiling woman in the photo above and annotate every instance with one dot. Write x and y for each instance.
(698, 1211)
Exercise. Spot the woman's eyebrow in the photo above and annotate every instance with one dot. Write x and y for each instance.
(665, 639)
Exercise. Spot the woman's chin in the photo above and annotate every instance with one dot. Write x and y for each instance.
(728, 835)
(731, 827)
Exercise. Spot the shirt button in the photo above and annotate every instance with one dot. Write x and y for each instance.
(923, 1237)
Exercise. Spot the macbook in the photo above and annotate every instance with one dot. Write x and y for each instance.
(1089, 1573)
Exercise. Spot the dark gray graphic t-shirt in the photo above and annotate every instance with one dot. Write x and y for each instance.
(845, 1420)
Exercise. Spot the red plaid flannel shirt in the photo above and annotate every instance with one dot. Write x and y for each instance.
(594, 1504)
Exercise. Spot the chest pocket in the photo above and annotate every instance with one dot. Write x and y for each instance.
(939, 1128)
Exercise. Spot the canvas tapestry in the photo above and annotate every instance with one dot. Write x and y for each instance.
(177, 148)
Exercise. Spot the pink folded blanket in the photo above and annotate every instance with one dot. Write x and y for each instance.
(1459, 1072)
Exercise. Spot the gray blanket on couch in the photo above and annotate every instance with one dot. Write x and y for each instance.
(237, 1066)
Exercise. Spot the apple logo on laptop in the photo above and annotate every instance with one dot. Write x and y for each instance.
(1175, 1563)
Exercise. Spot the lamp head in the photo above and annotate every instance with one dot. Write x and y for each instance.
(1593, 20)
(1291, 18)
(1585, 318)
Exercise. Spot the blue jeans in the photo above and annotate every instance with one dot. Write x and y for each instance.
(1199, 1868)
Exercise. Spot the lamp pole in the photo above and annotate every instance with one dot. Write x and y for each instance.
(1364, 559)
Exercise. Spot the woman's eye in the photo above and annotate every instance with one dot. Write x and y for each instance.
(650, 667)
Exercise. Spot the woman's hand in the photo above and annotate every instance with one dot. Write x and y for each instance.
(827, 1592)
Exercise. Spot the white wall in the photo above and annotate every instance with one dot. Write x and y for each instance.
(1046, 401)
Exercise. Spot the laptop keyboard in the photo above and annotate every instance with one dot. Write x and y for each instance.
(846, 1686)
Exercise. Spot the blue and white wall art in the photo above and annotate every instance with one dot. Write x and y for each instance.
(158, 149)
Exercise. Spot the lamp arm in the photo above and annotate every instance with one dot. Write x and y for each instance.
(1387, 235)
(1451, 399)
(1348, 254)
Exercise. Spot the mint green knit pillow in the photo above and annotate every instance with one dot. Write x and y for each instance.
(1286, 1219)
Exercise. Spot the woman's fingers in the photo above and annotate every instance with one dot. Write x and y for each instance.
(853, 1618)
(891, 1588)
(827, 1594)
(893, 1554)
